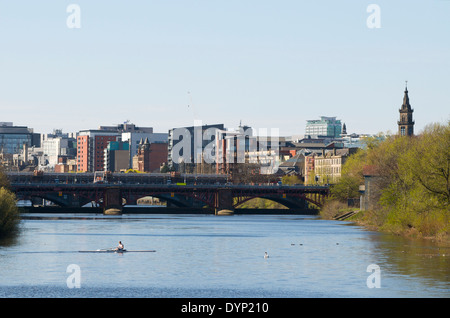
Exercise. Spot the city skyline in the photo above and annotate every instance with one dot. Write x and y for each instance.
(266, 65)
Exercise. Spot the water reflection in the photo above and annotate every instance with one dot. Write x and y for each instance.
(13, 238)
(416, 258)
(9, 241)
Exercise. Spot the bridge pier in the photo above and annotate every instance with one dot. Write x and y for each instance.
(224, 202)
(112, 201)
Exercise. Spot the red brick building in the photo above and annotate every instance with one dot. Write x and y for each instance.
(151, 156)
(83, 153)
(91, 145)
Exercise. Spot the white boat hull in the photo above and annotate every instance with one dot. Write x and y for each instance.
(117, 251)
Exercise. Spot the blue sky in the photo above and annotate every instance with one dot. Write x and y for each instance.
(269, 64)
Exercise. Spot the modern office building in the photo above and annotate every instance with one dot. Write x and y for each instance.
(117, 156)
(134, 134)
(58, 144)
(127, 127)
(232, 149)
(52, 148)
(324, 127)
(13, 138)
(91, 145)
(187, 144)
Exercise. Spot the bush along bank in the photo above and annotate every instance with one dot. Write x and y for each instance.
(9, 214)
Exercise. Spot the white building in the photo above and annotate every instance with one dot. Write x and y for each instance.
(52, 147)
(57, 144)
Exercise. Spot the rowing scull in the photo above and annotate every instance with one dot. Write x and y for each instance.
(116, 251)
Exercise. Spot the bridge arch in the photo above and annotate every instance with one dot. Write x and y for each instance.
(176, 200)
(47, 197)
(288, 202)
(61, 199)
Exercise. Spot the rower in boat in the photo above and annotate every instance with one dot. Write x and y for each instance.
(120, 247)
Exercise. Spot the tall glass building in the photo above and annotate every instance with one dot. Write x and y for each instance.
(13, 138)
(325, 127)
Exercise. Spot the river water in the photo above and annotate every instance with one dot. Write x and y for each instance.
(212, 256)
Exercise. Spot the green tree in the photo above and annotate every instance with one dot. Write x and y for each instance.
(9, 213)
(4, 182)
(429, 162)
(351, 177)
(394, 180)
(291, 180)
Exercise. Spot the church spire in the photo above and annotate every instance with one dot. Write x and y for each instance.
(406, 105)
(406, 123)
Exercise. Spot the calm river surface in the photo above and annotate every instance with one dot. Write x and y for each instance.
(216, 256)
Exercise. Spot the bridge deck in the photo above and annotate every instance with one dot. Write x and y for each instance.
(75, 190)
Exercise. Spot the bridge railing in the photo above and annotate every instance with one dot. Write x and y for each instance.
(88, 177)
(168, 186)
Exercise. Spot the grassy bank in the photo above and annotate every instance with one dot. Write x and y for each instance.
(431, 227)
(434, 226)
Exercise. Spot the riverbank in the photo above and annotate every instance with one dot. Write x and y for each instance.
(375, 221)
(366, 219)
